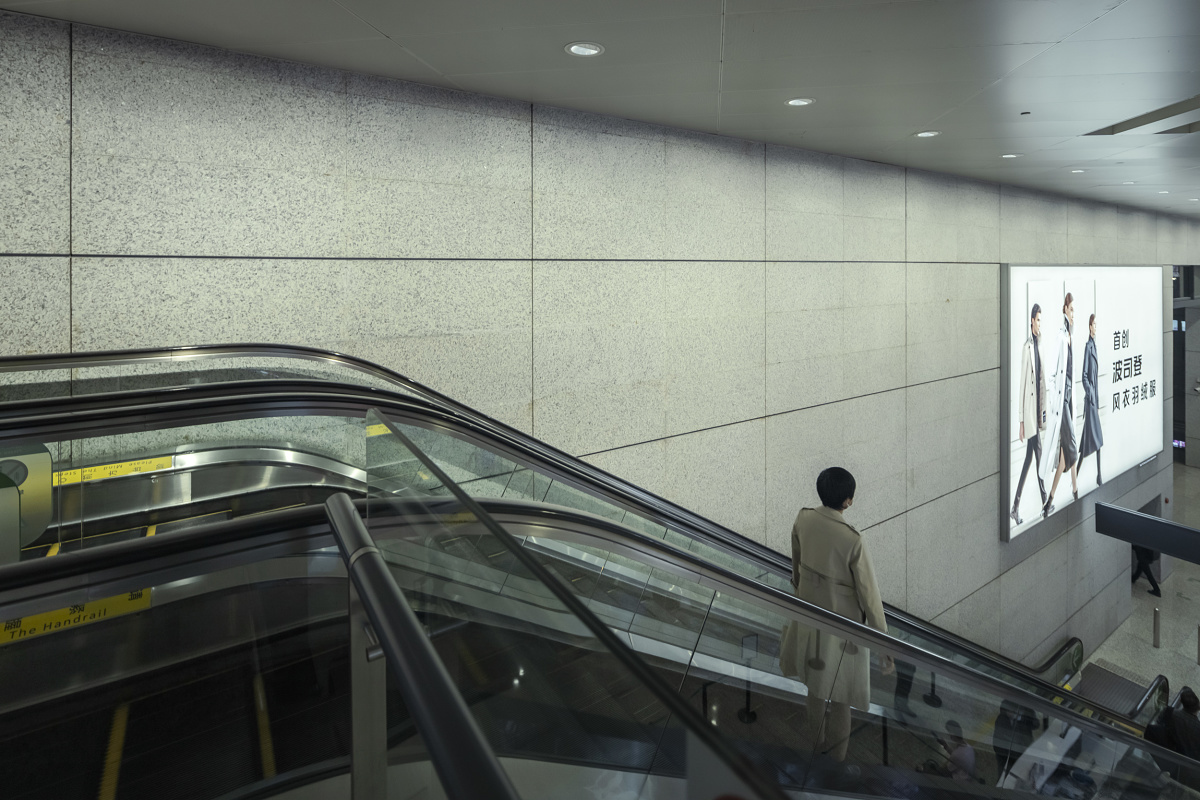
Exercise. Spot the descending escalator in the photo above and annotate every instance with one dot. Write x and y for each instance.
(701, 605)
(303, 460)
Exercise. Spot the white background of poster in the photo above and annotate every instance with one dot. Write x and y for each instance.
(1123, 299)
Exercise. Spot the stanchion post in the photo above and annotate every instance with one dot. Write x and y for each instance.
(1157, 628)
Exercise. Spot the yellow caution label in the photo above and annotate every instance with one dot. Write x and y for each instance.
(377, 430)
(83, 614)
(106, 471)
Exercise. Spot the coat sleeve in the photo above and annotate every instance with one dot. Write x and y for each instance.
(866, 587)
(1089, 369)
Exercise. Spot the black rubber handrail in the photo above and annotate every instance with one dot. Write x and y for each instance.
(466, 765)
(658, 506)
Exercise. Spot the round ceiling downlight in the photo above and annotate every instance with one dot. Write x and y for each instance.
(584, 49)
(927, 134)
(1077, 171)
(801, 101)
(1012, 155)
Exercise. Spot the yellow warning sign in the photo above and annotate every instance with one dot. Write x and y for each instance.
(105, 471)
(377, 430)
(21, 628)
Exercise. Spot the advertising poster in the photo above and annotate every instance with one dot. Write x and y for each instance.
(1085, 378)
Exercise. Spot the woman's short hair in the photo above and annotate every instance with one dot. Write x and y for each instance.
(1091, 320)
(835, 486)
(1067, 301)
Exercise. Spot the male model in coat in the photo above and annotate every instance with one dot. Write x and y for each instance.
(1033, 409)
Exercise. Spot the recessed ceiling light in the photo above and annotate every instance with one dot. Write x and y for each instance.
(1077, 171)
(1128, 183)
(927, 134)
(801, 101)
(1012, 155)
(1164, 191)
(584, 49)
(1194, 199)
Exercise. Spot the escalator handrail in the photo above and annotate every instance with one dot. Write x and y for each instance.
(695, 724)
(563, 462)
(205, 404)
(665, 552)
(466, 765)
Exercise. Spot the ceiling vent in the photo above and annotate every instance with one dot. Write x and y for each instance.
(1181, 117)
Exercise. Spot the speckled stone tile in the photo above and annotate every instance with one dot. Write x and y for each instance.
(803, 181)
(148, 110)
(173, 53)
(953, 549)
(650, 349)
(23, 30)
(35, 203)
(872, 239)
(35, 313)
(403, 219)
(974, 617)
(803, 236)
(460, 327)
(34, 75)
(1033, 599)
(127, 206)
(887, 542)
(873, 190)
(952, 433)
(597, 123)
(398, 91)
(717, 473)
(951, 218)
(864, 435)
(953, 320)
(403, 141)
(714, 199)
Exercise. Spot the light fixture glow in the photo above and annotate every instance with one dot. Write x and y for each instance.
(1012, 155)
(801, 101)
(1164, 191)
(584, 49)
(1128, 183)
(927, 134)
(1194, 199)
(1077, 171)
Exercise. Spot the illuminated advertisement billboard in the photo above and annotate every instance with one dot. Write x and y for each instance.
(1085, 383)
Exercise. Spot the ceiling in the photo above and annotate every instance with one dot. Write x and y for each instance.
(1033, 77)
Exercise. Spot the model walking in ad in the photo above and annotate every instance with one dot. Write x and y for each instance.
(1033, 409)
(1092, 438)
(1061, 454)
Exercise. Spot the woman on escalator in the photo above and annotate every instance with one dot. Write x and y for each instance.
(831, 569)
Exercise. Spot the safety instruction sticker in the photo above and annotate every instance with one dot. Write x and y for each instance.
(377, 430)
(105, 471)
(83, 614)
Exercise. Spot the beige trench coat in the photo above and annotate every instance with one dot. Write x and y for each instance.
(831, 569)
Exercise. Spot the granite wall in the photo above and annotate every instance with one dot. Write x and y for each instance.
(712, 318)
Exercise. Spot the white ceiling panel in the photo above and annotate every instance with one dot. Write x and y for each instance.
(879, 70)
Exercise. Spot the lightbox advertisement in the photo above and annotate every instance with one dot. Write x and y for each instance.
(1085, 381)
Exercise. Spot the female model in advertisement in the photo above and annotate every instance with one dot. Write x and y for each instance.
(1092, 438)
(1060, 452)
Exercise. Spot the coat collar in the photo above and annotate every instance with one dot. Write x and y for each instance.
(832, 513)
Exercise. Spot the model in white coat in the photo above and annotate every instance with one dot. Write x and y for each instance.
(1059, 451)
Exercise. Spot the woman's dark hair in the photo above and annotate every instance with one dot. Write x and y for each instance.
(1091, 320)
(1036, 310)
(1067, 301)
(835, 486)
(1191, 703)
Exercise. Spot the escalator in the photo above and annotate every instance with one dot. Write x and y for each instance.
(552, 697)
(490, 453)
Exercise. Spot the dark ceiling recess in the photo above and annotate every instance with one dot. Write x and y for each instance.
(1165, 116)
